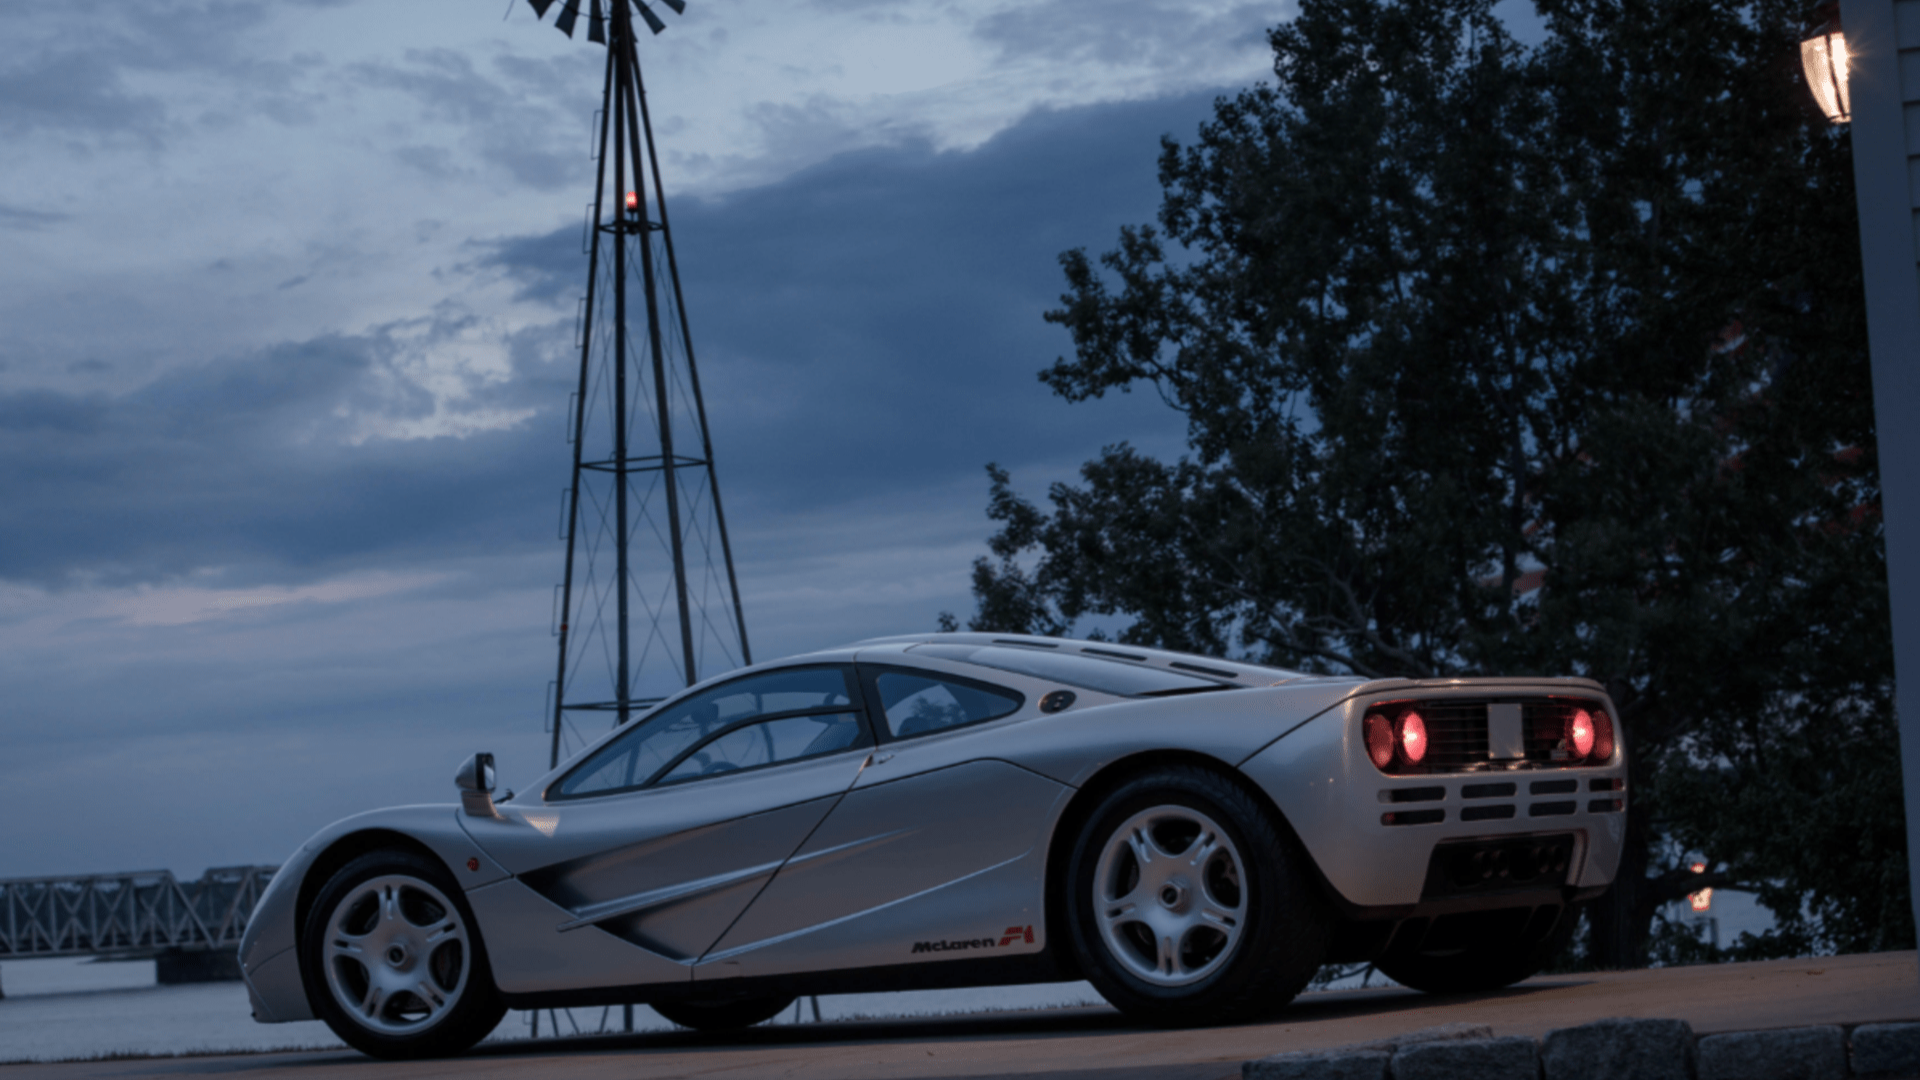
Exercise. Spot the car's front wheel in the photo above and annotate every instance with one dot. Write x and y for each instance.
(1189, 904)
(394, 962)
(722, 1015)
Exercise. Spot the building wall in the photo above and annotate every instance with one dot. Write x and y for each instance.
(1883, 45)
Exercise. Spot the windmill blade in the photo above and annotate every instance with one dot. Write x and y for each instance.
(596, 24)
(539, 7)
(679, 6)
(568, 14)
(653, 21)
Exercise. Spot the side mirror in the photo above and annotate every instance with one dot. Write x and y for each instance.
(475, 781)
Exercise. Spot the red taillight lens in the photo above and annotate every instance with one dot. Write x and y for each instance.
(1413, 737)
(1602, 737)
(1379, 740)
(1580, 733)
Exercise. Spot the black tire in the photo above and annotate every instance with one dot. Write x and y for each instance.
(393, 960)
(1480, 953)
(722, 1015)
(1233, 935)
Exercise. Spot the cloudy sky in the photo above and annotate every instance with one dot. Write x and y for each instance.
(286, 305)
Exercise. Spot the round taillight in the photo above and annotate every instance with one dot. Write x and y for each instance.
(1379, 740)
(1413, 737)
(1602, 737)
(1580, 733)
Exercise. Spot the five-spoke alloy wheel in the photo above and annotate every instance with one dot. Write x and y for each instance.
(1169, 900)
(1187, 904)
(394, 962)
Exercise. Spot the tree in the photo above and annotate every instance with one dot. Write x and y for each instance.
(1507, 360)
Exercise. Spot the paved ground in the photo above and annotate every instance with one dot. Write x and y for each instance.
(1096, 1044)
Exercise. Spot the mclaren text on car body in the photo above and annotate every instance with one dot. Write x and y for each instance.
(1193, 835)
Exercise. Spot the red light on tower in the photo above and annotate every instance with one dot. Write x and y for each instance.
(633, 201)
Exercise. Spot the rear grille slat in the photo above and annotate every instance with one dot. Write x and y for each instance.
(1456, 733)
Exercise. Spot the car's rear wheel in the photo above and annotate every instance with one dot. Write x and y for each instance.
(394, 962)
(1189, 904)
(1480, 951)
(722, 1015)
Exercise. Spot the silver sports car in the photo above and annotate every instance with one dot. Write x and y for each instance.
(1194, 836)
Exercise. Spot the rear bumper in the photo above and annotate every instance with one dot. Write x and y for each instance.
(1373, 837)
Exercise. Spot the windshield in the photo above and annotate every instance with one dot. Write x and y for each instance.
(1074, 669)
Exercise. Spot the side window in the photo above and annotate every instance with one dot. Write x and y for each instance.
(768, 742)
(658, 741)
(916, 704)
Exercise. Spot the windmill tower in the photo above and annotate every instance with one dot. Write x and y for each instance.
(649, 602)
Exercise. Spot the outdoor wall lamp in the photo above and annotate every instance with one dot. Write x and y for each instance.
(1823, 53)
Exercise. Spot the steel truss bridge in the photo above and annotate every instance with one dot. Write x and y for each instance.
(144, 914)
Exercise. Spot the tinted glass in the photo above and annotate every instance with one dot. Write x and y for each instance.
(633, 758)
(769, 742)
(1106, 676)
(917, 704)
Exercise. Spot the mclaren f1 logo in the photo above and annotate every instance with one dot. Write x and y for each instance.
(1014, 935)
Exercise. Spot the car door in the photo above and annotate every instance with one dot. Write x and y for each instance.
(664, 835)
(938, 845)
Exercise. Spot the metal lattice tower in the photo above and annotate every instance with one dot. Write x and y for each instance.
(644, 608)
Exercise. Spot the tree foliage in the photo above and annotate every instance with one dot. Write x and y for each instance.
(1519, 360)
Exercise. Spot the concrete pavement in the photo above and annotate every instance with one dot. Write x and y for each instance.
(1097, 1044)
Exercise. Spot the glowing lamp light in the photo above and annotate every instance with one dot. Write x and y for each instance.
(1413, 737)
(1703, 899)
(1823, 55)
(1580, 732)
(633, 201)
(1402, 740)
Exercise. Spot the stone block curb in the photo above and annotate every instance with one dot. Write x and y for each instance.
(1808, 1053)
(1886, 1050)
(1620, 1048)
(1357, 1061)
(1615, 1049)
(1511, 1058)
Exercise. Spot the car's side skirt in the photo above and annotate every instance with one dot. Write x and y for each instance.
(945, 975)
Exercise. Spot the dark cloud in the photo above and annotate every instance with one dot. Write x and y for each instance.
(869, 332)
(1162, 33)
(73, 91)
(874, 323)
(521, 115)
(247, 462)
(66, 68)
(20, 218)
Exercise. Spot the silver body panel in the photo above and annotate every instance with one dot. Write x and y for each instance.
(916, 850)
(529, 954)
(958, 851)
(267, 961)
